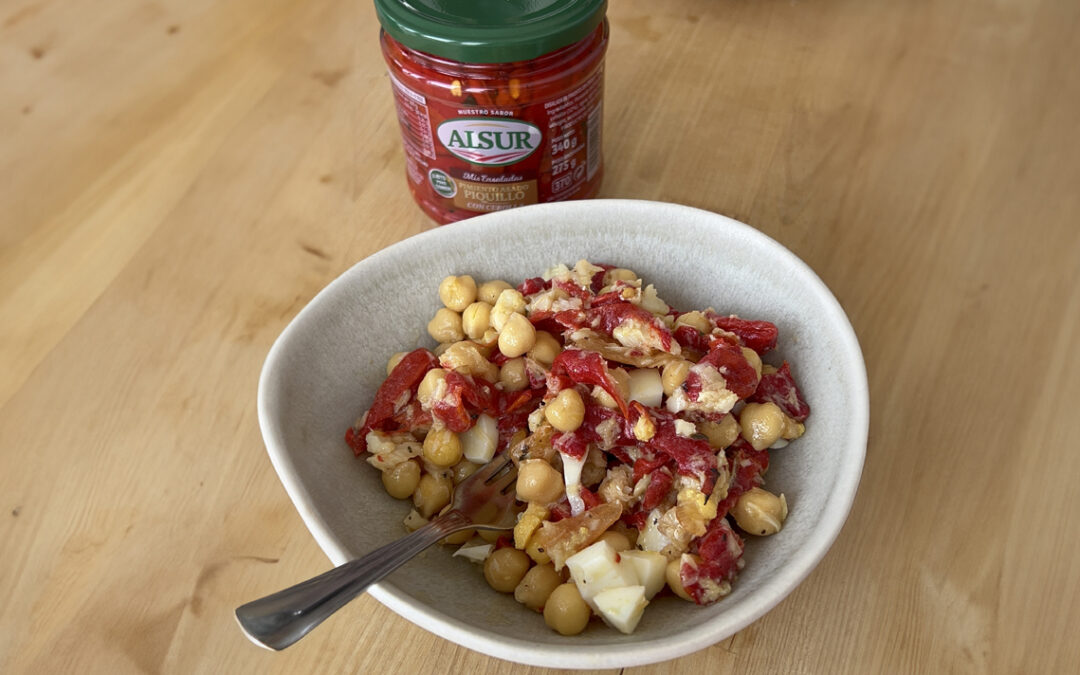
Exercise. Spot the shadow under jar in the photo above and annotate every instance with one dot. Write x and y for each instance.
(500, 102)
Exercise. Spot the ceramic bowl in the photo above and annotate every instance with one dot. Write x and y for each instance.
(326, 365)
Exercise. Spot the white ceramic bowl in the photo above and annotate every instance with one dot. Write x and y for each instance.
(328, 362)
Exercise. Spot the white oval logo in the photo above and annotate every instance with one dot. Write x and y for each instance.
(491, 142)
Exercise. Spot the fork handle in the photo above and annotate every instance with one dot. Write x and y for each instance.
(276, 621)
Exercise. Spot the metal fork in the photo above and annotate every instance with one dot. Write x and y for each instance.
(482, 501)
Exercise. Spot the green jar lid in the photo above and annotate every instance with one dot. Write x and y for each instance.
(489, 31)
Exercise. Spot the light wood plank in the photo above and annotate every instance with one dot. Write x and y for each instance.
(179, 179)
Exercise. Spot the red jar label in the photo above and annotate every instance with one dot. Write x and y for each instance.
(464, 160)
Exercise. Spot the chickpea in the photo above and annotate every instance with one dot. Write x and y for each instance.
(537, 585)
(616, 540)
(442, 447)
(537, 552)
(545, 350)
(720, 434)
(565, 610)
(792, 429)
(695, 320)
(621, 380)
(490, 536)
(674, 579)
(538, 482)
(762, 424)
(505, 568)
(433, 380)
(476, 319)
(517, 336)
(619, 274)
(401, 481)
(674, 374)
(489, 291)
(566, 411)
(445, 326)
(510, 302)
(394, 360)
(457, 293)
(432, 494)
(463, 470)
(631, 533)
(513, 375)
(753, 359)
(760, 512)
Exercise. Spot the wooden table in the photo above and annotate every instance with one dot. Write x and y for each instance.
(177, 179)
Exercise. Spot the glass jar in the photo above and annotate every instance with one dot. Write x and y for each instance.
(500, 102)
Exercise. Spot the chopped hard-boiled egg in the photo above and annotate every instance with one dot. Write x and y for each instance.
(621, 607)
(475, 550)
(478, 443)
(651, 538)
(572, 478)
(646, 387)
(597, 569)
(649, 567)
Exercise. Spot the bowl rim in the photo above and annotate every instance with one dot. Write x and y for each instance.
(570, 656)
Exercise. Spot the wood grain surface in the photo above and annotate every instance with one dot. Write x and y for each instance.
(177, 179)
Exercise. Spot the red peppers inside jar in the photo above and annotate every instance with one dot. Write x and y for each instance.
(500, 102)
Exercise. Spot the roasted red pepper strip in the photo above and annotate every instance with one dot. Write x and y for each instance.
(740, 376)
(571, 319)
(694, 457)
(405, 376)
(747, 466)
(534, 285)
(647, 464)
(584, 367)
(511, 401)
(659, 483)
(689, 337)
(590, 498)
(572, 443)
(559, 511)
(478, 392)
(609, 316)
(598, 278)
(779, 388)
(572, 289)
(412, 416)
(608, 298)
(637, 519)
(452, 410)
(720, 550)
(757, 335)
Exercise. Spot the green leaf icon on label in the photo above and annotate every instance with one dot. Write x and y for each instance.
(442, 183)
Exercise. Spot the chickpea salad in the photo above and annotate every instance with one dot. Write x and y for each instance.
(641, 435)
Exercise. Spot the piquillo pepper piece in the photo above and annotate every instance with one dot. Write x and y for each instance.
(780, 388)
(757, 335)
(719, 560)
(584, 367)
(403, 378)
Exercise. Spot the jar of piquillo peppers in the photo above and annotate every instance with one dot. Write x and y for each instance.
(500, 101)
